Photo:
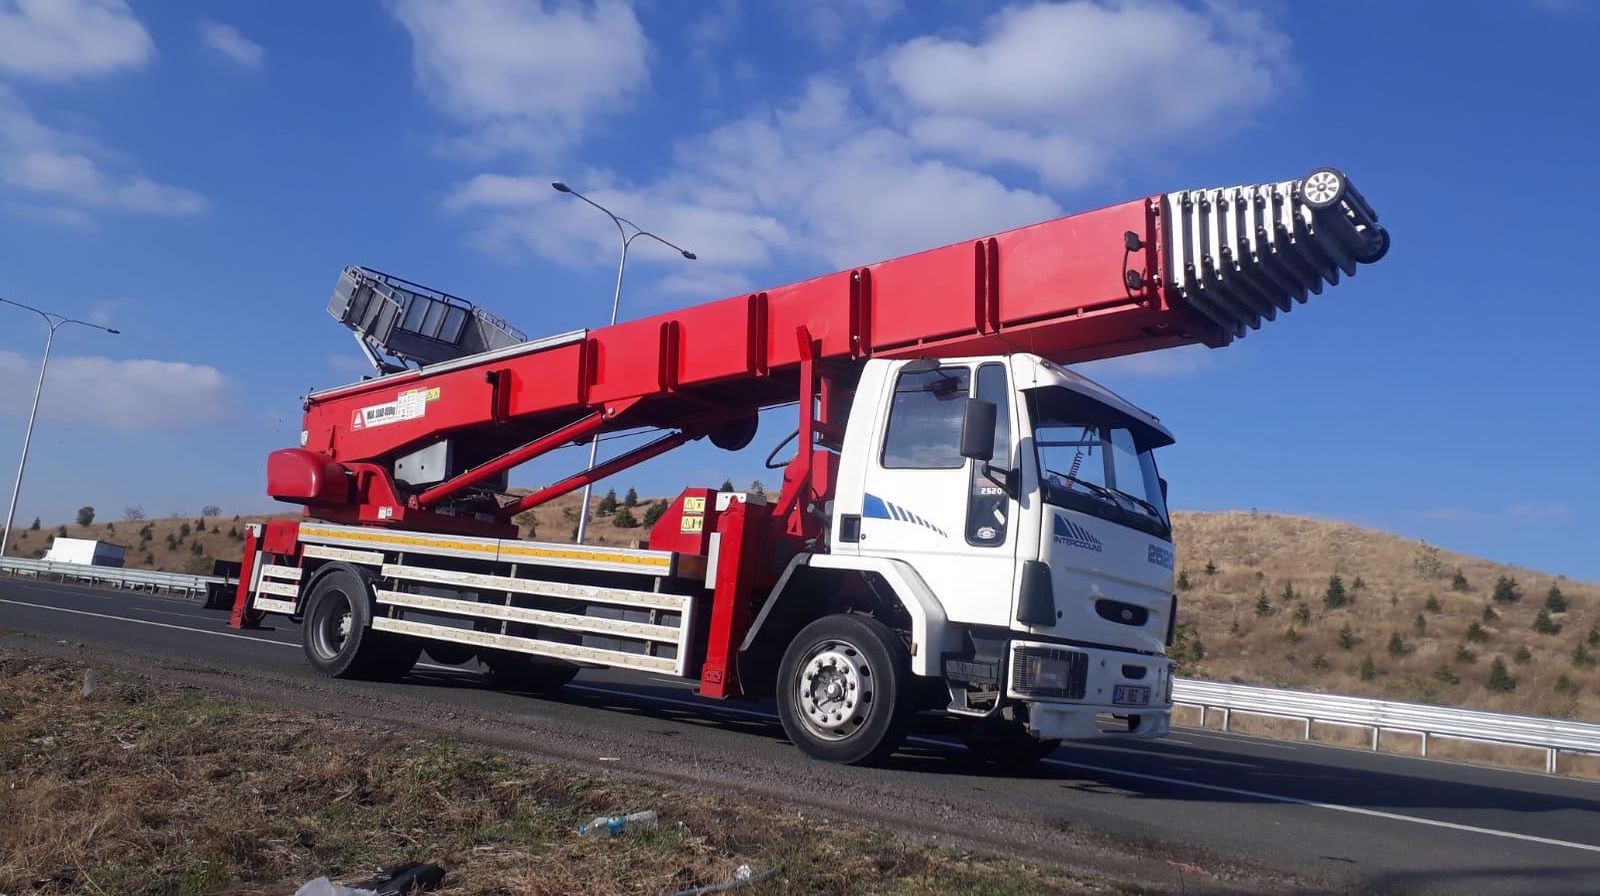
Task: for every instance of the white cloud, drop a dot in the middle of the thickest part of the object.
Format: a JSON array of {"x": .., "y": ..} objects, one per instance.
[
  {"x": 57, "y": 40},
  {"x": 57, "y": 215},
  {"x": 69, "y": 169},
  {"x": 830, "y": 22},
  {"x": 128, "y": 394},
  {"x": 1062, "y": 88},
  {"x": 813, "y": 181},
  {"x": 528, "y": 75},
  {"x": 227, "y": 40}
]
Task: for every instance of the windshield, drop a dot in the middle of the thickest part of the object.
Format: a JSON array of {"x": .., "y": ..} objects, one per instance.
[{"x": 1095, "y": 465}]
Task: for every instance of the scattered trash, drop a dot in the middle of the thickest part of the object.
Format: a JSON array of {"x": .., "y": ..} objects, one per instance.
[
  {"x": 323, "y": 887},
  {"x": 610, "y": 759},
  {"x": 91, "y": 682},
  {"x": 741, "y": 876},
  {"x": 401, "y": 880},
  {"x": 1186, "y": 868},
  {"x": 613, "y": 826}
]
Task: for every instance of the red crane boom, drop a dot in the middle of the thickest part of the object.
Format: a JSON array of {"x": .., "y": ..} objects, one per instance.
[{"x": 1171, "y": 269}]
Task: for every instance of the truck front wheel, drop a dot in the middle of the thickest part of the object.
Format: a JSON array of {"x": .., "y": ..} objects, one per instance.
[
  {"x": 844, "y": 690},
  {"x": 337, "y": 632}
]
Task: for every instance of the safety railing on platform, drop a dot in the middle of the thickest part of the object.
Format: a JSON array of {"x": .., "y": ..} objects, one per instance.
[
  {"x": 1554, "y": 736},
  {"x": 140, "y": 579}
]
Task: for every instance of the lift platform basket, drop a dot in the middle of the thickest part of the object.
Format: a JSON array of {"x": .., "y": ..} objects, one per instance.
[{"x": 398, "y": 321}]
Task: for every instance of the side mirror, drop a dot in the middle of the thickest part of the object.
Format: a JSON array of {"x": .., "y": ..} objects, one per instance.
[{"x": 977, "y": 430}]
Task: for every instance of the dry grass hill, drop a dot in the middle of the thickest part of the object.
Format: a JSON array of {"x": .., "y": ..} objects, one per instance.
[{"x": 1415, "y": 623}]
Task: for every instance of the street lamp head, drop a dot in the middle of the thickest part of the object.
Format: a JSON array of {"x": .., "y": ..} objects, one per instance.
[
  {"x": 561, "y": 187},
  {"x": 689, "y": 255}
]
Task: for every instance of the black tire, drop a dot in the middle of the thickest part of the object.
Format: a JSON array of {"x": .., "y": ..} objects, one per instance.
[
  {"x": 1015, "y": 750},
  {"x": 448, "y": 653},
  {"x": 861, "y": 672},
  {"x": 1378, "y": 251},
  {"x": 523, "y": 672},
  {"x": 337, "y": 633}
]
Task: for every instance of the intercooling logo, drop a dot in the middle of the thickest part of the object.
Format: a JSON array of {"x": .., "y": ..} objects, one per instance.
[
  {"x": 1068, "y": 532},
  {"x": 874, "y": 507}
]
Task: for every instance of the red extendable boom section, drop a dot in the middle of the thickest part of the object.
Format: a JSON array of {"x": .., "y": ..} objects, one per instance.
[{"x": 1166, "y": 270}]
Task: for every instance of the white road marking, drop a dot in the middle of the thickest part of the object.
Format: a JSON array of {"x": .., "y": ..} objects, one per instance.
[
  {"x": 184, "y": 628},
  {"x": 1060, "y": 763},
  {"x": 1335, "y": 807}
]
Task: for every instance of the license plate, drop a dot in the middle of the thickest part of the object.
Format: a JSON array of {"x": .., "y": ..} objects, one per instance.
[{"x": 1129, "y": 695}]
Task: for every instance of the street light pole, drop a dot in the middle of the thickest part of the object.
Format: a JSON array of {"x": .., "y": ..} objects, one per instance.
[
  {"x": 53, "y": 322},
  {"x": 623, "y": 231}
]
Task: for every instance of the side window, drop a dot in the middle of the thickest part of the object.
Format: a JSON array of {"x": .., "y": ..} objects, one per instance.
[
  {"x": 987, "y": 502},
  {"x": 924, "y": 431}
]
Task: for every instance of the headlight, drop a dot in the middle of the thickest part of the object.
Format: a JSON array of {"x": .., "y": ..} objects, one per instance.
[{"x": 1049, "y": 672}]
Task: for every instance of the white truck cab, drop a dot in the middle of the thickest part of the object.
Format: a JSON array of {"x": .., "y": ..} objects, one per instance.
[{"x": 1015, "y": 510}]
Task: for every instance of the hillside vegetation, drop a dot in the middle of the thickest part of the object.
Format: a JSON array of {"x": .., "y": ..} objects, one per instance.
[{"x": 1316, "y": 605}]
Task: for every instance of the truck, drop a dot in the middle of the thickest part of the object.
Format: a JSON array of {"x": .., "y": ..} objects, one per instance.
[{"x": 967, "y": 529}]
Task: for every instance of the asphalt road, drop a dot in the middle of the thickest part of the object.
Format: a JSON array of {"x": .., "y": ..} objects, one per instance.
[{"x": 1198, "y": 811}]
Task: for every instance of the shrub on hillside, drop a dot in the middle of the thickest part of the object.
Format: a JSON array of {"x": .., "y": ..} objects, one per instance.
[
  {"x": 1211, "y": 567},
  {"x": 1347, "y": 638},
  {"x": 1564, "y": 685},
  {"x": 35, "y": 526},
  {"x": 1302, "y": 613},
  {"x": 1397, "y": 645},
  {"x": 631, "y": 499},
  {"x": 1554, "y": 600},
  {"x": 1500, "y": 681},
  {"x": 654, "y": 512},
  {"x": 1183, "y": 580},
  {"x": 1581, "y": 656},
  {"x": 1476, "y": 633},
  {"x": 1543, "y": 624},
  {"x": 61, "y": 531},
  {"x": 1320, "y": 663},
  {"x": 1446, "y": 675},
  {"x": 1506, "y": 590},
  {"x": 1263, "y": 606},
  {"x": 608, "y": 504},
  {"x": 1335, "y": 596},
  {"x": 85, "y": 515},
  {"x": 625, "y": 519},
  {"x": 1489, "y": 613},
  {"x": 1292, "y": 636},
  {"x": 1465, "y": 656},
  {"x": 1431, "y": 604},
  {"x": 1523, "y": 656},
  {"x": 1594, "y": 635},
  {"x": 1369, "y": 669},
  {"x": 1459, "y": 583},
  {"x": 1420, "y": 624}
]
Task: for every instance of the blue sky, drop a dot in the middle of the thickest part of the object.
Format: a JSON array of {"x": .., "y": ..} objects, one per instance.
[{"x": 196, "y": 174}]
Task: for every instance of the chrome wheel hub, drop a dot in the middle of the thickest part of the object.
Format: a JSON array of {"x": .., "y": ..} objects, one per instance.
[{"x": 834, "y": 690}]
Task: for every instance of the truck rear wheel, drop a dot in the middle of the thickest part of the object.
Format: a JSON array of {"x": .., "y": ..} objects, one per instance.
[
  {"x": 522, "y": 672},
  {"x": 844, "y": 690},
  {"x": 337, "y": 632}
]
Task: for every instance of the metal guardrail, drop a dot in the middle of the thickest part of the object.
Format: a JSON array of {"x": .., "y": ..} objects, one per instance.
[
  {"x": 112, "y": 575},
  {"x": 1554, "y": 736}
]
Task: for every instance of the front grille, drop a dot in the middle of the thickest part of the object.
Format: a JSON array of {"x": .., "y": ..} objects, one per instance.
[{"x": 1028, "y": 667}]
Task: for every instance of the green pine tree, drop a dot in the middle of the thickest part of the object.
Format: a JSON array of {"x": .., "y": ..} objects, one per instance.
[
  {"x": 1211, "y": 568},
  {"x": 1554, "y": 600},
  {"x": 1335, "y": 596},
  {"x": 608, "y": 504},
  {"x": 1263, "y": 606},
  {"x": 1369, "y": 669},
  {"x": 1543, "y": 624},
  {"x": 1523, "y": 656},
  {"x": 1347, "y": 638},
  {"x": 1564, "y": 685},
  {"x": 1465, "y": 656},
  {"x": 1500, "y": 680},
  {"x": 1581, "y": 656},
  {"x": 1459, "y": 583},
  {"x": 625, "y": 519},
  {"x": 1506, "y": 590},
  {"x": 1302, "y": 613},
  {"x": 1420, "y": 624},
  {"x": 1183, "y": 580},
  {"x": 654, "y": 512},
  {"x": 1431, "y": 604},
  {"x": 1476, "y": 633},
  {"x": 631, "y": 499},
  {"x": 35, "y": 526},
  {"x": 726, "y": 486},
  {"x": 1397, "y": 645}
]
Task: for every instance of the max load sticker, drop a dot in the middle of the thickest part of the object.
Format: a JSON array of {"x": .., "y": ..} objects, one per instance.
[{"x": 411, "y": 405}]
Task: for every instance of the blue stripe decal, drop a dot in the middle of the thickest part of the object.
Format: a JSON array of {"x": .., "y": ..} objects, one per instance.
[{"x": 875, "y": 507}]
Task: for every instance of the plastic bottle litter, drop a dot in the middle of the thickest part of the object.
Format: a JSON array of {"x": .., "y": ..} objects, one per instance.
[
  {"x": 323, "y": 887},
  {"x": 614, "y": 825}
]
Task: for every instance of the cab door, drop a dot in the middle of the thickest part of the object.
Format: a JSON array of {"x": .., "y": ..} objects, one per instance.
[{"x": 924, "y": 503}]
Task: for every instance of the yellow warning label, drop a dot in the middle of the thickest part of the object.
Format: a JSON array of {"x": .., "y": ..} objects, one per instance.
[
  {"x": 694, "y": 505},
  {"x": 692, "y": 524}
]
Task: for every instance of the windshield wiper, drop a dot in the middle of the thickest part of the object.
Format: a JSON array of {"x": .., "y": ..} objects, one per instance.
[{"x": 1151, "y": 508}]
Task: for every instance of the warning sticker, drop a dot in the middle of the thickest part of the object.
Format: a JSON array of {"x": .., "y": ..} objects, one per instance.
[
  {"x": 692, "y": 524},
  {"x": 410, "y": 405},
  {"x": 694, "y": 505}
]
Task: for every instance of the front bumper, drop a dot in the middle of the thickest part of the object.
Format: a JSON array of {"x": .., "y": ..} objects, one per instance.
[{"x": 1066, "y": 690}]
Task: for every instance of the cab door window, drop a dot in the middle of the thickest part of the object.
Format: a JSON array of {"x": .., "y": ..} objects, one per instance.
[
  {"x": 987, "y": 501},
  {"x": 924, "y": 431}
]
